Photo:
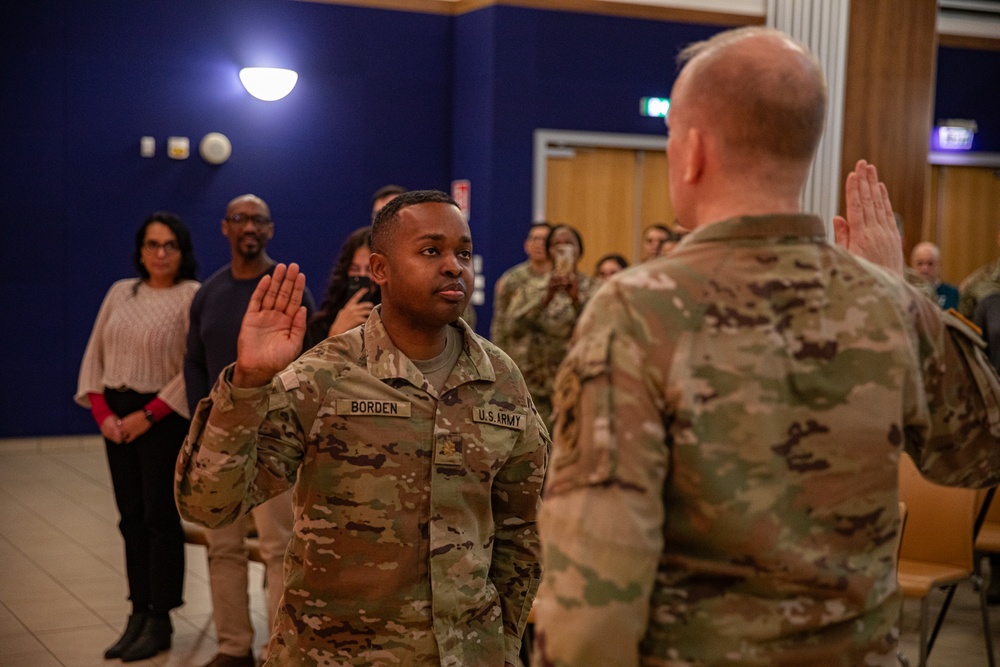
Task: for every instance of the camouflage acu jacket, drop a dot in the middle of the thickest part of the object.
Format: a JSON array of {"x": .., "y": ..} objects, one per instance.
[
  {"x": 414, "y": 540},
  {"x": 534, "y": 334},
  {"x": 507, "y": 285},
  {"x": 978, "y": 285},
  {"x": 723, "y": 488}
]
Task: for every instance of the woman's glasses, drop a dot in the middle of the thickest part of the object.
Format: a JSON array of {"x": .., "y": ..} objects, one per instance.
[{"x": 152, "y": 247}]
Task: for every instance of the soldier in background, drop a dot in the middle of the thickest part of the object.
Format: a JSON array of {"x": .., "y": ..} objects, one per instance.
[
  {"x": 416, "y": 455},
  {"x": 978, "y": 285},
  {"x": 533, "y": 272},
  {"x": 538, "y": 320},
  {"x": 384, "y": 195},
  {"x": 653, "y": 238},
  {"x": 723, "y": 488}
]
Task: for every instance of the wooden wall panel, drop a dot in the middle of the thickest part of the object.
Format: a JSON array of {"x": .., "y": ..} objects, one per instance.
[
  {"x": 656, "y": 204},
  {"x": 595, "y": 192},
  {"x": 890, "y": 98},
  {"x": 968, "y": 205}
]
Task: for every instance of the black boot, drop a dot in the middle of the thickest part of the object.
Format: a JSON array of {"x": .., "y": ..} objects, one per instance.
[
  {"x": 155, "y": 637},
  {"x": 132, "y": 629}
]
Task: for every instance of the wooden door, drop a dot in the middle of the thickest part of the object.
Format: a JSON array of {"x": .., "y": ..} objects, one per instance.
[
  {"x": 610, "y": 195},
  {"x": 962, "y": 215}
]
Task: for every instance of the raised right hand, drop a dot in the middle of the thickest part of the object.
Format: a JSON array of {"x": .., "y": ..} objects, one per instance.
[
  {"x": 273, "y": 328},
  {"x": 869, "y": 230},
  {"x": 354, "y": 312}
]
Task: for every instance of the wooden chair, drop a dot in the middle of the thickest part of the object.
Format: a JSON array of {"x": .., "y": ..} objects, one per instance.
[
  {"x": 988, "y": 537},
  {"x": 937, "y": 545},
  {"x": 900, "y": 656}
]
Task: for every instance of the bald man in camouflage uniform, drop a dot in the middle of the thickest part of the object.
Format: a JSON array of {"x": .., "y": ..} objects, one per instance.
[
  {"x": 416, "y": 455},
  {"x": 723, "y": 489}
]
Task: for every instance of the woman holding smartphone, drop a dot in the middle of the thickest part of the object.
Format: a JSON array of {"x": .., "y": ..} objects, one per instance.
[
  {"x": 541, "y": 318},
  {"x": 350, "y": 294}
]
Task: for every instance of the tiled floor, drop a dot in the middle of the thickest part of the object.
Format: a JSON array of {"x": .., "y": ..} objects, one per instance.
[{"x": 62, "y": 586}]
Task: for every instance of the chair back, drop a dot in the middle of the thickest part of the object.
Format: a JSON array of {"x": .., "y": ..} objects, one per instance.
[
  {"x": 988, "y": 539},
  {"x": 939, "y": 520}
]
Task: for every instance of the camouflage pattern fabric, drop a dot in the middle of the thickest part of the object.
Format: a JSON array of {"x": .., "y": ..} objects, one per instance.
[
  {"x": 536, "y": 336},
  {"x": 414, "y": 540},
  {"x": 723, "y": 488},
  {"x": 922, "y": 284},
  {"x": 978, "y": 285},
  {"x": 507, "y": 285}
]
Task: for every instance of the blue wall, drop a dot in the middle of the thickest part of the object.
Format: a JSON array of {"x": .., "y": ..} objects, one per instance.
[
  {"x": 968, "y": 86},
  {"x": 383, "y": 96},
  {"x": 521, "y": 69},
  {"x": 83, "y": 80}
]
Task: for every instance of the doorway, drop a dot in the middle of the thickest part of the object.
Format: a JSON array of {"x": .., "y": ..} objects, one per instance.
[{"x": 608, "y": 186}]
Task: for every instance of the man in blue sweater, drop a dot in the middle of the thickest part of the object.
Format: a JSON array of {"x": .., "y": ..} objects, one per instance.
[{"x": 216, "y": 314}]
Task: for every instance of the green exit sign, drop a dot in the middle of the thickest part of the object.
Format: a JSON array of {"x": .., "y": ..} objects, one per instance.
[{"x": 655, "y": 107}]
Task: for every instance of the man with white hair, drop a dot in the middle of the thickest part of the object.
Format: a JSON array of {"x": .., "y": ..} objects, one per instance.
[{"x": 925, "y": 259}]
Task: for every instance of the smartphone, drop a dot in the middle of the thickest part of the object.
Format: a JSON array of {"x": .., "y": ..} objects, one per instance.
[
  {"x": 564, "y": 256},
  {"x": 355, "y": 283}
]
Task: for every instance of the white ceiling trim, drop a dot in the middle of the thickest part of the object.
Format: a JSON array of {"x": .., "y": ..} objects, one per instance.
[{"x": 980, "y": 25}]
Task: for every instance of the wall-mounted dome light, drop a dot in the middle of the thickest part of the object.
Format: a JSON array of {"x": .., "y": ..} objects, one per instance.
[{"x": 268, "y": 83}]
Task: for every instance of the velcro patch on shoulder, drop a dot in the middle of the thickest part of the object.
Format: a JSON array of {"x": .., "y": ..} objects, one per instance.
[
  {"x": 499, "y": 417},
  {"x": 288, "y": 380}
]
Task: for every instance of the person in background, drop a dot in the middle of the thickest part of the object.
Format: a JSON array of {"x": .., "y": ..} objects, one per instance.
[
  {"x": 987, "y": 318},
  {"x": 350, "y": 294},
  {"x": 925, "y": 259},
  {"x": 416, "y": 456},
  {"x": 671, "y": 242},
  {"x": 132, "y": 380},
  {"x": 978, "y": 285},
  {"x": 729, "y": 422},
  {"x": 653, "y": 237},
  {"x": 530, "y": 274},
  {"x": 608, "y": 266},
  {"x": 539, "y": 317},
  {"x": 216, "y": 314},
  {"x": 384, "y": 195}
]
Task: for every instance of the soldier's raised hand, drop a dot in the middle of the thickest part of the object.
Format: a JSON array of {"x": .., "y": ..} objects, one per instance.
[
  {"x": 870, "y": 228},
  {"x": 273, "y": 328}
]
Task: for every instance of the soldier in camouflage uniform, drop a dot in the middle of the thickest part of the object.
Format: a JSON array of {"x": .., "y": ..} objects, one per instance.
[
  {"x": 723, "y": 488},
  {"x": 538, "y": 320},
  {"x": 978, "y": 285},
  {"x": 533, "y": 272},
  {"x": 416, "y": 483}
]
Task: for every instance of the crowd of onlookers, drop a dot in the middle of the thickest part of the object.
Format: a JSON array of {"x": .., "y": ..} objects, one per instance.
[
  {"x": 727, "y": 420},
  {"x": 159, "y": 342}
]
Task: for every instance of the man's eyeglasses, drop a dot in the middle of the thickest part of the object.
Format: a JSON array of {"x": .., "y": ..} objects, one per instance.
[
  {"x": 241, "y": 219},
  {"x": 152, "y": 247}
]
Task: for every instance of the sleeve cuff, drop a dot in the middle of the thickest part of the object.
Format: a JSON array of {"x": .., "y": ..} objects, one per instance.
[
  {"x": 159, "y": 408},
  {"x": 99, "y": 407},
  {"x": 225, "y": 396}
]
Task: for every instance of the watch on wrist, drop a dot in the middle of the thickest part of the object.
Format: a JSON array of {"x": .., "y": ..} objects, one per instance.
[{"x": 150, "y": 417}]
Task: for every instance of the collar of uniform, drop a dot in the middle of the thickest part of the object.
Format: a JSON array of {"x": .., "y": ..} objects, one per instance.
[
  {"x": 760, "y": 227},
  {"x": 385, "y": 360}
]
